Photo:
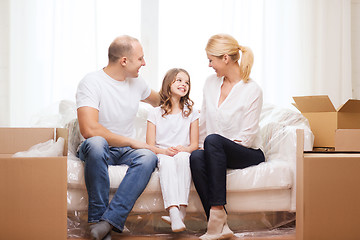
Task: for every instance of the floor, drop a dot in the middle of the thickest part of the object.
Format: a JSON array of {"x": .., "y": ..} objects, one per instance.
[
  {"x": 183, "y": 237},
  {"x": 149, "y": 227},
  {"x": 280, "y": 234}
]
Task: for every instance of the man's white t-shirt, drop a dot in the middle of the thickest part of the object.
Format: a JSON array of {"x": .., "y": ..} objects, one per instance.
[
  {"x": 173, "y": 129},
  {"x": 116, "y": 101}
]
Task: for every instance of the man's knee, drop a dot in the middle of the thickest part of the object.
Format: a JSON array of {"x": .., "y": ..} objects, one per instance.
[
  {"x": 95, "y": 143},
  {"x": 93, "y": 147},
  {"x": 148, "y": 158}
]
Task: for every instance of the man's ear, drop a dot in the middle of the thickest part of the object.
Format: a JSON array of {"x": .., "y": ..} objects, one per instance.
[{"x": 123, "y": 61}]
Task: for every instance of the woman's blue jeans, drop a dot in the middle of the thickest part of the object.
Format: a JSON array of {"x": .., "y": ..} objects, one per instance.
[
  {"x": 208, "y": 167},
  {"x": 97, "y": 155}
]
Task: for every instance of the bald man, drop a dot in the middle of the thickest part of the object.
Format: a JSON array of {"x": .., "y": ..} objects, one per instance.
[{"x": 107, "y": 102}]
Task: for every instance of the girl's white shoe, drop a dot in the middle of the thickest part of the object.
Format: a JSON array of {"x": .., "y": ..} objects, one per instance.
[{"x": 177, "y": 224}]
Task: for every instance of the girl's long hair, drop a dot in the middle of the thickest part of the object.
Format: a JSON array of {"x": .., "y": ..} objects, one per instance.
[{"x": 186, "y": 104}]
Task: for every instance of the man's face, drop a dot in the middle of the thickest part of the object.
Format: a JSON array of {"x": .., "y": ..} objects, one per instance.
[{"x": 135, "y": 61}]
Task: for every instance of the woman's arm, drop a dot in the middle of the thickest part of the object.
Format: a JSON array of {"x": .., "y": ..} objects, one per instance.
[{"x": 250, "y": 122}]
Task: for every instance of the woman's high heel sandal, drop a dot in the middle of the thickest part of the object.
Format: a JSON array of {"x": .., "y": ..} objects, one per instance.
[
  {"x": 216, "y": 224},
  {"x": 226, "y": 232}
]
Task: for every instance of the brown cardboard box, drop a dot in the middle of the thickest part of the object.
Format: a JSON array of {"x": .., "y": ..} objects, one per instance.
[
  {"x": 32, "y": 190},
  {"x": 327, "y": 197},
  {"x": 347, "y": 140},
  {"x": 324, "y": 119}
]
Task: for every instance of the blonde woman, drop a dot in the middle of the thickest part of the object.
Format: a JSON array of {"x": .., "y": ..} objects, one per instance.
[{"x": 229, "y": 123}]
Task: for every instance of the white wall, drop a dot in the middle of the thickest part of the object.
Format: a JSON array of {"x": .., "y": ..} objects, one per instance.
[{"x": 4, "y": 63}]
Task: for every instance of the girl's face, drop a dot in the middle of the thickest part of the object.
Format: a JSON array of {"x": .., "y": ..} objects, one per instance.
[
  {"x": 180, "y": 87},
  {"x": 218, "y": 64}
]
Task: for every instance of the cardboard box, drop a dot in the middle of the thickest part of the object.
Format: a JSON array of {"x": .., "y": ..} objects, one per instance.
[
  {"x": 324, "y": 119},
  {"x": 347, "y": 140},
  {"x": 33, "y": 192},
  {"x": 327, "y": 197}
]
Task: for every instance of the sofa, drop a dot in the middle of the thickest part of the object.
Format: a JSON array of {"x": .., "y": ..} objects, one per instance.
[{"x": 265, "y": 190}]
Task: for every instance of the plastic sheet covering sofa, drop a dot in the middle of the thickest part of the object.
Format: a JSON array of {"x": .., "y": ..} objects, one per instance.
[{"x": 258, "y": 197}]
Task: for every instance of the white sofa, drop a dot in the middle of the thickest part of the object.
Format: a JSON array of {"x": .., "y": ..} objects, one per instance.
[{"x": 267, "y": 187}]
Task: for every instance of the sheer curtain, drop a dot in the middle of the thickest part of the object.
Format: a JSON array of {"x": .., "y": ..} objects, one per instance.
[
  {"x": 301, "y": 47},
  {"x": 55, "y": 43},
  {"x": 326, "y": 50}
]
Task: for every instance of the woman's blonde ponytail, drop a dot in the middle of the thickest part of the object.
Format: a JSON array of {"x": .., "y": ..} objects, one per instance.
[{"x": 246, "y": 63}]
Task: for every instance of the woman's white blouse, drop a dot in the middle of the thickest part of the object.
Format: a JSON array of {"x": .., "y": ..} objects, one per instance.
[{"x": 237, "y": 118}]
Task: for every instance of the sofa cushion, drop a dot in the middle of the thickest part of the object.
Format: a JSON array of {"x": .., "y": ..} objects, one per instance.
[{"x": 267, "y": 175}]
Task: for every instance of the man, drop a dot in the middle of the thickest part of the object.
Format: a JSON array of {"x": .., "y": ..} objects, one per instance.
[{"x": 107, "y": 102}]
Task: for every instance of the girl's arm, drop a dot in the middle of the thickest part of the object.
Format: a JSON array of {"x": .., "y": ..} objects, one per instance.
[
  {"x": 151, "y": 139},
  {"x": 194, "y": 138}
]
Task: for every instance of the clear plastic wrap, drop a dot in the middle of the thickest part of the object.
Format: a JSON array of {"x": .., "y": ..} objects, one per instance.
[
  {"x": 56, "y": 115},
  {"x": 150, "y": 224},
  {"x": 261, "y": 199},
  {"x": 49, "y": 148}
]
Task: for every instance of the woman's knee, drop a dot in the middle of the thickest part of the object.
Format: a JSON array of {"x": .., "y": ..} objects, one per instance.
[
  {"x": 197, "y": 159},
  {"x": 212, "y": 140}
]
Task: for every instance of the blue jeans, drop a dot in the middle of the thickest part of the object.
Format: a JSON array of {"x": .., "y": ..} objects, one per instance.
[
  {"x": 97, "y": 155},
  {"x": 208, "y": 167}
]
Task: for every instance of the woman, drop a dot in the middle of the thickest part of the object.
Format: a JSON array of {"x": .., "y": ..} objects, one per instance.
[{"x": 229, "y": 120}]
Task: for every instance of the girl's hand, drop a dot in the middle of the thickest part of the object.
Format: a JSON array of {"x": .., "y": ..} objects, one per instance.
[
  {"x": 171, "y": 151},
  {"x": 180, "y": 148}
]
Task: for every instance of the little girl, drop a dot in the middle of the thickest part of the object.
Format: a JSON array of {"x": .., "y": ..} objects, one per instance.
[{"x": 173, "y": 128}]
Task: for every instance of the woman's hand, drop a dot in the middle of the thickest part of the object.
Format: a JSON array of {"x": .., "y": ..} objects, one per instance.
[{"x": 238, "y": 141}]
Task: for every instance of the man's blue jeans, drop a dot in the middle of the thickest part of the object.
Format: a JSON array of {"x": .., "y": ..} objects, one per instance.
[{"x": 97, "y": 155}]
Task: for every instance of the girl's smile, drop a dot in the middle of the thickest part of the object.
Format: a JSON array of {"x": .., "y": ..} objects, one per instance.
[{"x": 181, "y": 84}]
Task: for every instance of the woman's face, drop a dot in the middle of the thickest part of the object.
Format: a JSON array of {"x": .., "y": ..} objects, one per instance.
[{"x": 218, "y": 64}]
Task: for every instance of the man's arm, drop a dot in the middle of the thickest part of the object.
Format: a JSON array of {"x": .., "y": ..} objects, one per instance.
[
  {"x": 89, "y": 127},
  {"x": 153, "y": 99}
]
